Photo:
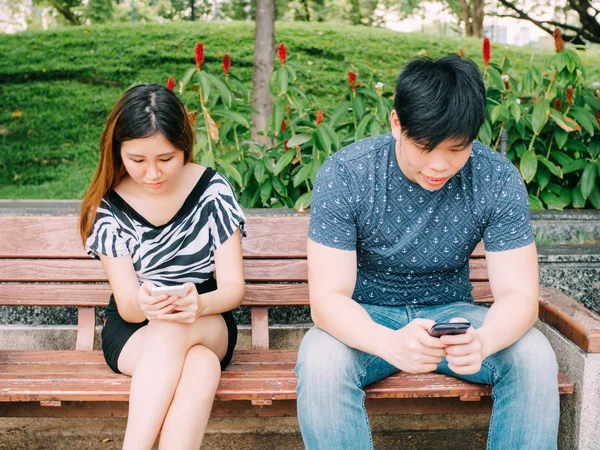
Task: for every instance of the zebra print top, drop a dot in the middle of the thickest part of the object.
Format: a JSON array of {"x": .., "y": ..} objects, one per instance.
[{"x": 180, "y": 251}]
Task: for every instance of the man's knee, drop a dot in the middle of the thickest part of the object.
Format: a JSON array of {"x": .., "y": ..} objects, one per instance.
[
  {"x": 533, "y": 360},
  {"x": 325, "y": 361}
]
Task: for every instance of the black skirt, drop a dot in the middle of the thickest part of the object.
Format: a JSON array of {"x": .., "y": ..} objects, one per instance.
[{"x": 116, "y": 331}]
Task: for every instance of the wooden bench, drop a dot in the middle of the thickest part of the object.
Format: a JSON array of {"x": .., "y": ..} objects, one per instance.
[{"x": 42, "y": 264}]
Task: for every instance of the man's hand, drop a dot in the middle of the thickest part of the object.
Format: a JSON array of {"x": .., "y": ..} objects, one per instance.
[
  {"x": 464, "y": 352},
  {"x": 411, "y": 349}
]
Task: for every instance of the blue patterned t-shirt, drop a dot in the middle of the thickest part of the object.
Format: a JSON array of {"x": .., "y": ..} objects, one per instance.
[{"x": 413, "y": 245}]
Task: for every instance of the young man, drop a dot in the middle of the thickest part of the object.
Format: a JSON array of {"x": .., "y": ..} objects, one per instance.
[{"x": 394, "y": 220}]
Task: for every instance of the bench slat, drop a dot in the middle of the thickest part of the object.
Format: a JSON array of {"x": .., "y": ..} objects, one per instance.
[
  {"x": 57, "y": 237},
  {"x": 77, "y": 270},
  {"x": 294, "y": 294}
]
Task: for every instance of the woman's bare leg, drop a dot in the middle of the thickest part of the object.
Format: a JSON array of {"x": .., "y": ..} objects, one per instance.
[{"x": 156, "y": 355}]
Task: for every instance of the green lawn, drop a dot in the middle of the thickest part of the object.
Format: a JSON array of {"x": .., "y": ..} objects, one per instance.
[{"x": 62, "y": 83}]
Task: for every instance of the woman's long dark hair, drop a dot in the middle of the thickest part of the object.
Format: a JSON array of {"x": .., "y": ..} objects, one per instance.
[{"x": 141, "y": 112}]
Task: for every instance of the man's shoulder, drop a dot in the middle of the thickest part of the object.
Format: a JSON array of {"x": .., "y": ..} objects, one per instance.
[
  {"x": 363, "y": 149},
  {"x": 486, "y": 165}
]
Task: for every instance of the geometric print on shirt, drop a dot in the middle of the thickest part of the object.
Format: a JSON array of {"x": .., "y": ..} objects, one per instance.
[{"x": 413, "y": 245}]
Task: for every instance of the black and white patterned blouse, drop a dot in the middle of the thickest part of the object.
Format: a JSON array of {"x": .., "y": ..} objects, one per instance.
[{"x": 180, "y": 251}]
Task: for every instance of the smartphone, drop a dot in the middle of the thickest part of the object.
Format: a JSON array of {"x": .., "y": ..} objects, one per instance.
[
  {"x": 178, "y": 291},
  {"x": 443, "y": 329}
]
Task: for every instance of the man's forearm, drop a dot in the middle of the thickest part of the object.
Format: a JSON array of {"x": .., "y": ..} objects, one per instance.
[
  {"x": 506, "y": 322},
  {"x": 347, "y": 321}
]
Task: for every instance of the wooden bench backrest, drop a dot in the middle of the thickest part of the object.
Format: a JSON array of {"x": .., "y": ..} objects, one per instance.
[{"x": 42, "y": 263}]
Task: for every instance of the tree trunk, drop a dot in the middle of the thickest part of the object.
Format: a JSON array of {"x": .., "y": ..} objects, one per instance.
[
  {"x": 478, "y": 13},
  {"x": 264, "y": 52},
  {"x": 66, "y": 13},
  {"x": 466, "y": 17}
]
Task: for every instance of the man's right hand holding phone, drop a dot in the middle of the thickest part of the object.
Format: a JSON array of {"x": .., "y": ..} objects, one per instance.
[
  {"x": 464, "y": 352},
  {"x": 411, "y": 348}
]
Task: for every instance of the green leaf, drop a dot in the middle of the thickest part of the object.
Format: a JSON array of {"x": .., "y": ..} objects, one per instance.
[
  {"x": 485, "y": 133},
  {"x": 497, "y": 113},
  {"x": 315, "y": 170},
  {"x": 283, "y": 162},
  {"x": 335, "y": 140},
  {"x": 592, "y": 101},
  {"x": 232, "y": 115},
  {"x": 560, "y": 136},
  {"x": 584, "y": 118},
  {"x": 304, "y": 201},
  {"x": 578, "y": 200},
  {"x": 552, "y": 201},
  {"x": 515, "y": 111},
  {"x": 259, "y": 171},
  {"x": 279, "y": 187},
  {"x": 303, "y": 174},
  {"x": 576, "y": 145},
  {"x": 204, "y": 84},
  {"x": 496, "y": 78},
  {"x": 574, "y": 166},
  {"x": 594, "y": 146},
  {"x": 187, "y": 76},
  {"x": 561, "y": 158},
  {"x": 208, "y": 159},
  {"x": 537, "y": 75},
  {"x": 594, "y": 197},
  {"x": 588, "y": 180},
  {"x": 362, "y": 126},
  {"x": 291, "y": 72},
  {"x": 551, "y": 167},
  {"x": 299, "y": 139},
  {"x": 224, "y": 91},
  {"x": 566, "y": 196},
  {"x": 542, "y": 177},
  {"x": 535, "y": 203},
  {"x": 539, "y": 116},
  {"x": 559, "y": 119},
  {"x": 324, "y": 139},
  {"x": 358, "y": 105},
  {"x": 528, "y": 165},
  {"x": 339, "y": 113},
  {"x": 265, "y": 191},
  {"x": 231, "y": 171},
  {"x": 281, "y": 80}
]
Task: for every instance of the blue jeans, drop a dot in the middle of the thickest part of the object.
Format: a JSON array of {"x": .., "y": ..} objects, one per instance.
[{"x": 331, "y": 377}]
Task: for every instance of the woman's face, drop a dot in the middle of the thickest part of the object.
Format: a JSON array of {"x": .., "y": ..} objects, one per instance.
[{"x": 152, "y": 162}]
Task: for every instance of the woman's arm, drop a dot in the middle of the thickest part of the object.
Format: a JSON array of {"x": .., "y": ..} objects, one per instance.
[
  {"x": 125, "y": 286},
  {"x": 229, "y": 269}
]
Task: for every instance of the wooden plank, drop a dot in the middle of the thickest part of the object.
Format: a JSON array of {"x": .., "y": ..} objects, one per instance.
[
  {"x": 572, "y": 319},
  {"x": 234, "y": 408},
  {"x": 86, "y": 324},
  {"x": 58, "y": 237},
  {"x": 276, "y": 294},
  {"x": 78, "y": 270},
  {"x": 260, "y": 327}
]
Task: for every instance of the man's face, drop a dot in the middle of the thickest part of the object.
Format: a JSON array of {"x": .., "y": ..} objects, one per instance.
[{"x": 430, "y": 170}]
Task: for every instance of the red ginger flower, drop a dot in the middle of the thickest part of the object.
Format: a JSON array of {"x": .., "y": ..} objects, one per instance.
[
  {"x": 319, "y": 117},
  {"x": 288, "y": 110},
  {"x": 285, "y": 145},
  {"x": 226, "y": 64},
  {"x": 283, "y": 125},
  {"x": 569, "y": 95},
  {"x": 199, "y": 55},
  {"x": 486, "y": 51},
  {"x": 352, "y": 80},
  {"x": 556, "y": 104},
  {"x": 282, "y": 53},
  {"x": 171, "y": 83},
  {"x": 598, "y": 116},
  {"x": 461, "y": 51},
  {"x": 559, "y": 44},
  {"x": 192, "y": 116}
]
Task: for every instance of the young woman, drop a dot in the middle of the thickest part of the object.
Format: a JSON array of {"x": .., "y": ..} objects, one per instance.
[{"x": 154, "y": 218}]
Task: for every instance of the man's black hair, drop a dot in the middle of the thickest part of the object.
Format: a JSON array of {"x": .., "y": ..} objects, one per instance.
[{"x": 439, "y": 100}]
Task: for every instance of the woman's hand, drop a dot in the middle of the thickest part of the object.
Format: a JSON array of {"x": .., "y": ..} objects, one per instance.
[
  {"x": 153, "y": 307},
  {"x": 185, "y": 309}
]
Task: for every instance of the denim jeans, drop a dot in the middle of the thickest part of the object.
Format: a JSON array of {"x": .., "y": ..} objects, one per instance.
[{"x": 331, "y": 375}]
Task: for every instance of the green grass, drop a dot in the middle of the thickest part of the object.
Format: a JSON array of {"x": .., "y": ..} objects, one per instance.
[{"x": 64, "y": 82}]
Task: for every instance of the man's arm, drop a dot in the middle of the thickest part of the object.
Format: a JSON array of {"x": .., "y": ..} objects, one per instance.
[
  {"x": 514, "y": 280},
  {"x": 331, "y": 280}
]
